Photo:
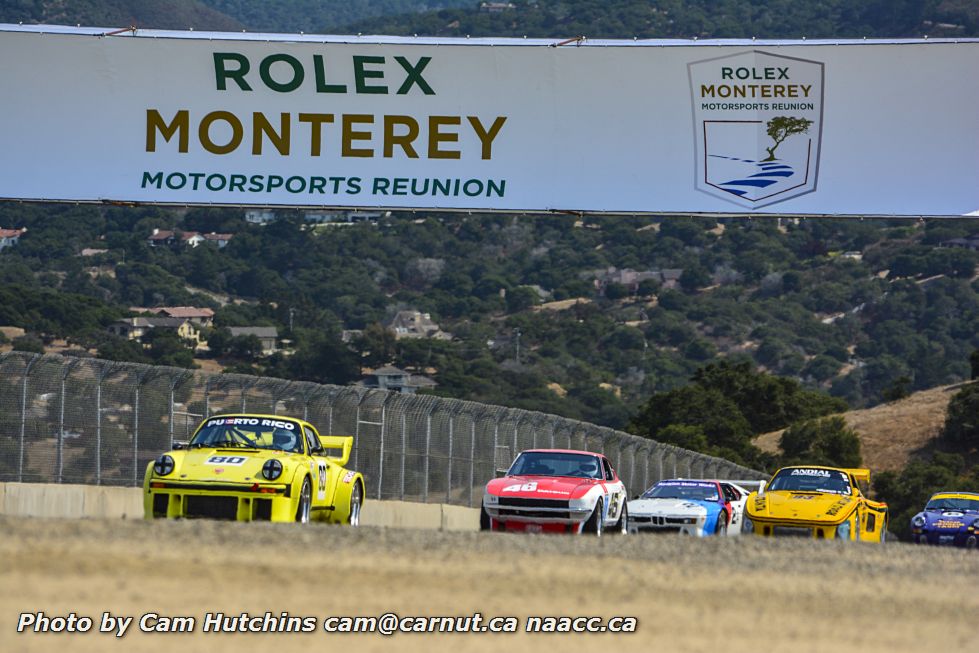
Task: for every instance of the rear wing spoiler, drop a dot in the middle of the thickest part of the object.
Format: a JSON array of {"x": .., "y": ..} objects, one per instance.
[
  {"x": 860, "y": 474},
  {"x": 753, "y": 485},
  {"x": 337, "y": 444}
]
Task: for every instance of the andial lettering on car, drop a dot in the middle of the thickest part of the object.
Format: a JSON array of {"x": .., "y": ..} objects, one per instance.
[{"x": 236, "y": 461}]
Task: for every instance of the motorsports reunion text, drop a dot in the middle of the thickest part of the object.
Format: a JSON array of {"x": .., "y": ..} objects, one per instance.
[{"x": 389, "y": 623}]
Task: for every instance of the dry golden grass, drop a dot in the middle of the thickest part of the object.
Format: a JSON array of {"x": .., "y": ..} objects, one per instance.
[
  {"x": 733, "y": 594},
  {"x": 891, "y": 433}
]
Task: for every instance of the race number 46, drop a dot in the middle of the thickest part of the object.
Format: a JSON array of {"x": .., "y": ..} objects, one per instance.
[{"x": 524, "y": 487}]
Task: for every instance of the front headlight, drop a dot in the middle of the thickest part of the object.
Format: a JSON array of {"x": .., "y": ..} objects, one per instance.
[
  {"x": 272, "y": 469},
  {"x": 975, "y": 525},
  {"x": 579, "y": 505},
  {"x": 919, "y": 521},
  {"x": 163, "y": 465}
]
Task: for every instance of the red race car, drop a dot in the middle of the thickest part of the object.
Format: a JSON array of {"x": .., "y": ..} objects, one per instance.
[{"x": 556, "y": 491}]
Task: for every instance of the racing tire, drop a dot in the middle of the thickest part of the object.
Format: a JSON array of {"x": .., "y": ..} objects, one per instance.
[
  {"x": 595, "y": 524},
  {"x": 305, "y": 502},
  {"x": 485, "y": 522},
  {"x": 356, "y": 501},
  {"x": 721, "y": 528},
  {"x": 622, "y": 526},
  {"x": 970, "y": 542}
]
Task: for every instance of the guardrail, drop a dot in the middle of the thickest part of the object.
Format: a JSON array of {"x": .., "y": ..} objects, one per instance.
[{"x": 99, "y": 422}]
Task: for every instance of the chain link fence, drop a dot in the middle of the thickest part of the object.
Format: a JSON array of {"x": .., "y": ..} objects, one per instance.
[{"x": 85, "y": 420}]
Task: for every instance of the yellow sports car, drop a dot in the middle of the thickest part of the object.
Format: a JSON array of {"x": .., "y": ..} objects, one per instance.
[
  {"x": 818, "y": 502},
  {"x": 256, "y": 467}
]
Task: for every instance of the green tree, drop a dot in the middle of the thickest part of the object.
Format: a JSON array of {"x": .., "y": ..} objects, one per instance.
[
  {"x": 378, "y": 345},
  {"x": 29, "y": 343},
  {"x": 962, "y": 421},
  {"x": 781, "y": 127},
  {"x": 826, "y": 441}
]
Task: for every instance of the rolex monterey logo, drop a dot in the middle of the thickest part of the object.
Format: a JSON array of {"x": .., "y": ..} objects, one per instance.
[{"x": 757, "y": 126}]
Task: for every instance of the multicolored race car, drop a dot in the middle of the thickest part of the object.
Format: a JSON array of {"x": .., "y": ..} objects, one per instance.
[
  {"x": 690, "y": 507},
  {"x": 948, "y": 518},
  {"x": 256, "y": 467},
  {"x": 818, "y": 502},
  {"x": 556, "y": 491}
]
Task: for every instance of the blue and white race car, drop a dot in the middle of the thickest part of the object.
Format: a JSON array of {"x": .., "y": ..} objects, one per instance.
[
  {"x": 690, "y": 507},
  {"x": 948, "y": 518}
]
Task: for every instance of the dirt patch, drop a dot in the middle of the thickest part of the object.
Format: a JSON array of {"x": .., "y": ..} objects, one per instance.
[
  {"x": 736, "y": 594},
  {"x": 891, "y": 433}
]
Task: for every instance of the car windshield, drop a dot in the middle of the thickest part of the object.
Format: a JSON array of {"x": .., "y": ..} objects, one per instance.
[
  {"x": 553, "y": 463},
  {"x": 690, "y": 490},
  {"x": 811, "y": 479},
  {"x": 953, "y": 503},
  {"x": 249, "y": 432}
]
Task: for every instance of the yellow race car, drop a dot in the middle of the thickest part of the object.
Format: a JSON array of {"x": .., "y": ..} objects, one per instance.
[
  {"x": 818, "y": 502},
  {"x": 256, "y": 467}
]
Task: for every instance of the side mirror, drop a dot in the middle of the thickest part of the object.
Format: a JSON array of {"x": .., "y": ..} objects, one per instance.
[
  {"x": 180, "y": 444},
  {"x": 337, "y": 447}
]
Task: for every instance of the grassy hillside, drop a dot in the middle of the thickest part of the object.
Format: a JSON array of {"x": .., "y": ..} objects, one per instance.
[{"x": 892, "y": 434}]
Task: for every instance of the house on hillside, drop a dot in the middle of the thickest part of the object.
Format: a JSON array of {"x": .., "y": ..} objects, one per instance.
[
  {"x": 202, "y": 317},
  {"x": 260, "y": 216},
  {"x": 10, "y": 237},
  {"x": 221, "y": 240},
  {"x": 136, "y": 328},
  {"x": 972, "y": 242},
  {"x": 631, "y": 279},
  {"x": 167, "y": 238},
  {"x": 414, "y": 324},
  {"x": 268, "y": 336},
  {"x": 393, "y": 379},
  {"x": 496, "y": 7}
]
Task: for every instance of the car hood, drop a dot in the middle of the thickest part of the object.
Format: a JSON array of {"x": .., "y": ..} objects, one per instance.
[
  {"x": 541, "y": 487},
  {"x": 950, "y": 519},
  {"x": 668, "y": 507},
  {"x": 228, "y": 465},
  {"x": 803, "y": 506}
]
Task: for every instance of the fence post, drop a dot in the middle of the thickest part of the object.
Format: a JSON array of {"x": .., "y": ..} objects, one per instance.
[
  {"x": 645, "y": 469},
  {"x": 207, "y": 400},
  {"x": 404, "y": 450},
  {"x": 472, "y": 457},
  {"x": 23, "y": 415},
  {"x": 428, "y": 451},
  {"x": 172, "y": 384},
  {"x": 140, "y": 379},
  {"x": 380, "y": 462},
  {"x": 65, "y": 371},
  {"x": 448, "y": 475}
]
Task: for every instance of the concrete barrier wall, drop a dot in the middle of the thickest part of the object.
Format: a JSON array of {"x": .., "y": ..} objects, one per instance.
[{"x": 100, "y": 502}]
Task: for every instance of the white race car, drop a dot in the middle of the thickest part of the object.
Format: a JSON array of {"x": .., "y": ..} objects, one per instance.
[{"x": 691, "y": 507}]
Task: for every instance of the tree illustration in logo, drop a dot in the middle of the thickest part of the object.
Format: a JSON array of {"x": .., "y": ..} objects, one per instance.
[{"x": 781, "y": 127}]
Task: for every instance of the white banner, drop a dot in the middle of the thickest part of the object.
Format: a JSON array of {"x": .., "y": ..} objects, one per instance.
[{"x": 742, "y": 127}]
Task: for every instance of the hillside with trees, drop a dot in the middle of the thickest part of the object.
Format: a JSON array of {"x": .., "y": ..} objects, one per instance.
[{"x": 626, "y": 19}]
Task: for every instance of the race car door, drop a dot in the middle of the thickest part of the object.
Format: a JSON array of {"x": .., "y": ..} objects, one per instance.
[
  {"x": 736, "y": 499},
  {"x": 324, "y": 475}
]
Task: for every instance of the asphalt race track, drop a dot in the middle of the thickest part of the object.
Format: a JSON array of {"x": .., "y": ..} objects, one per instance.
[{"x": 735, "y": 594}]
